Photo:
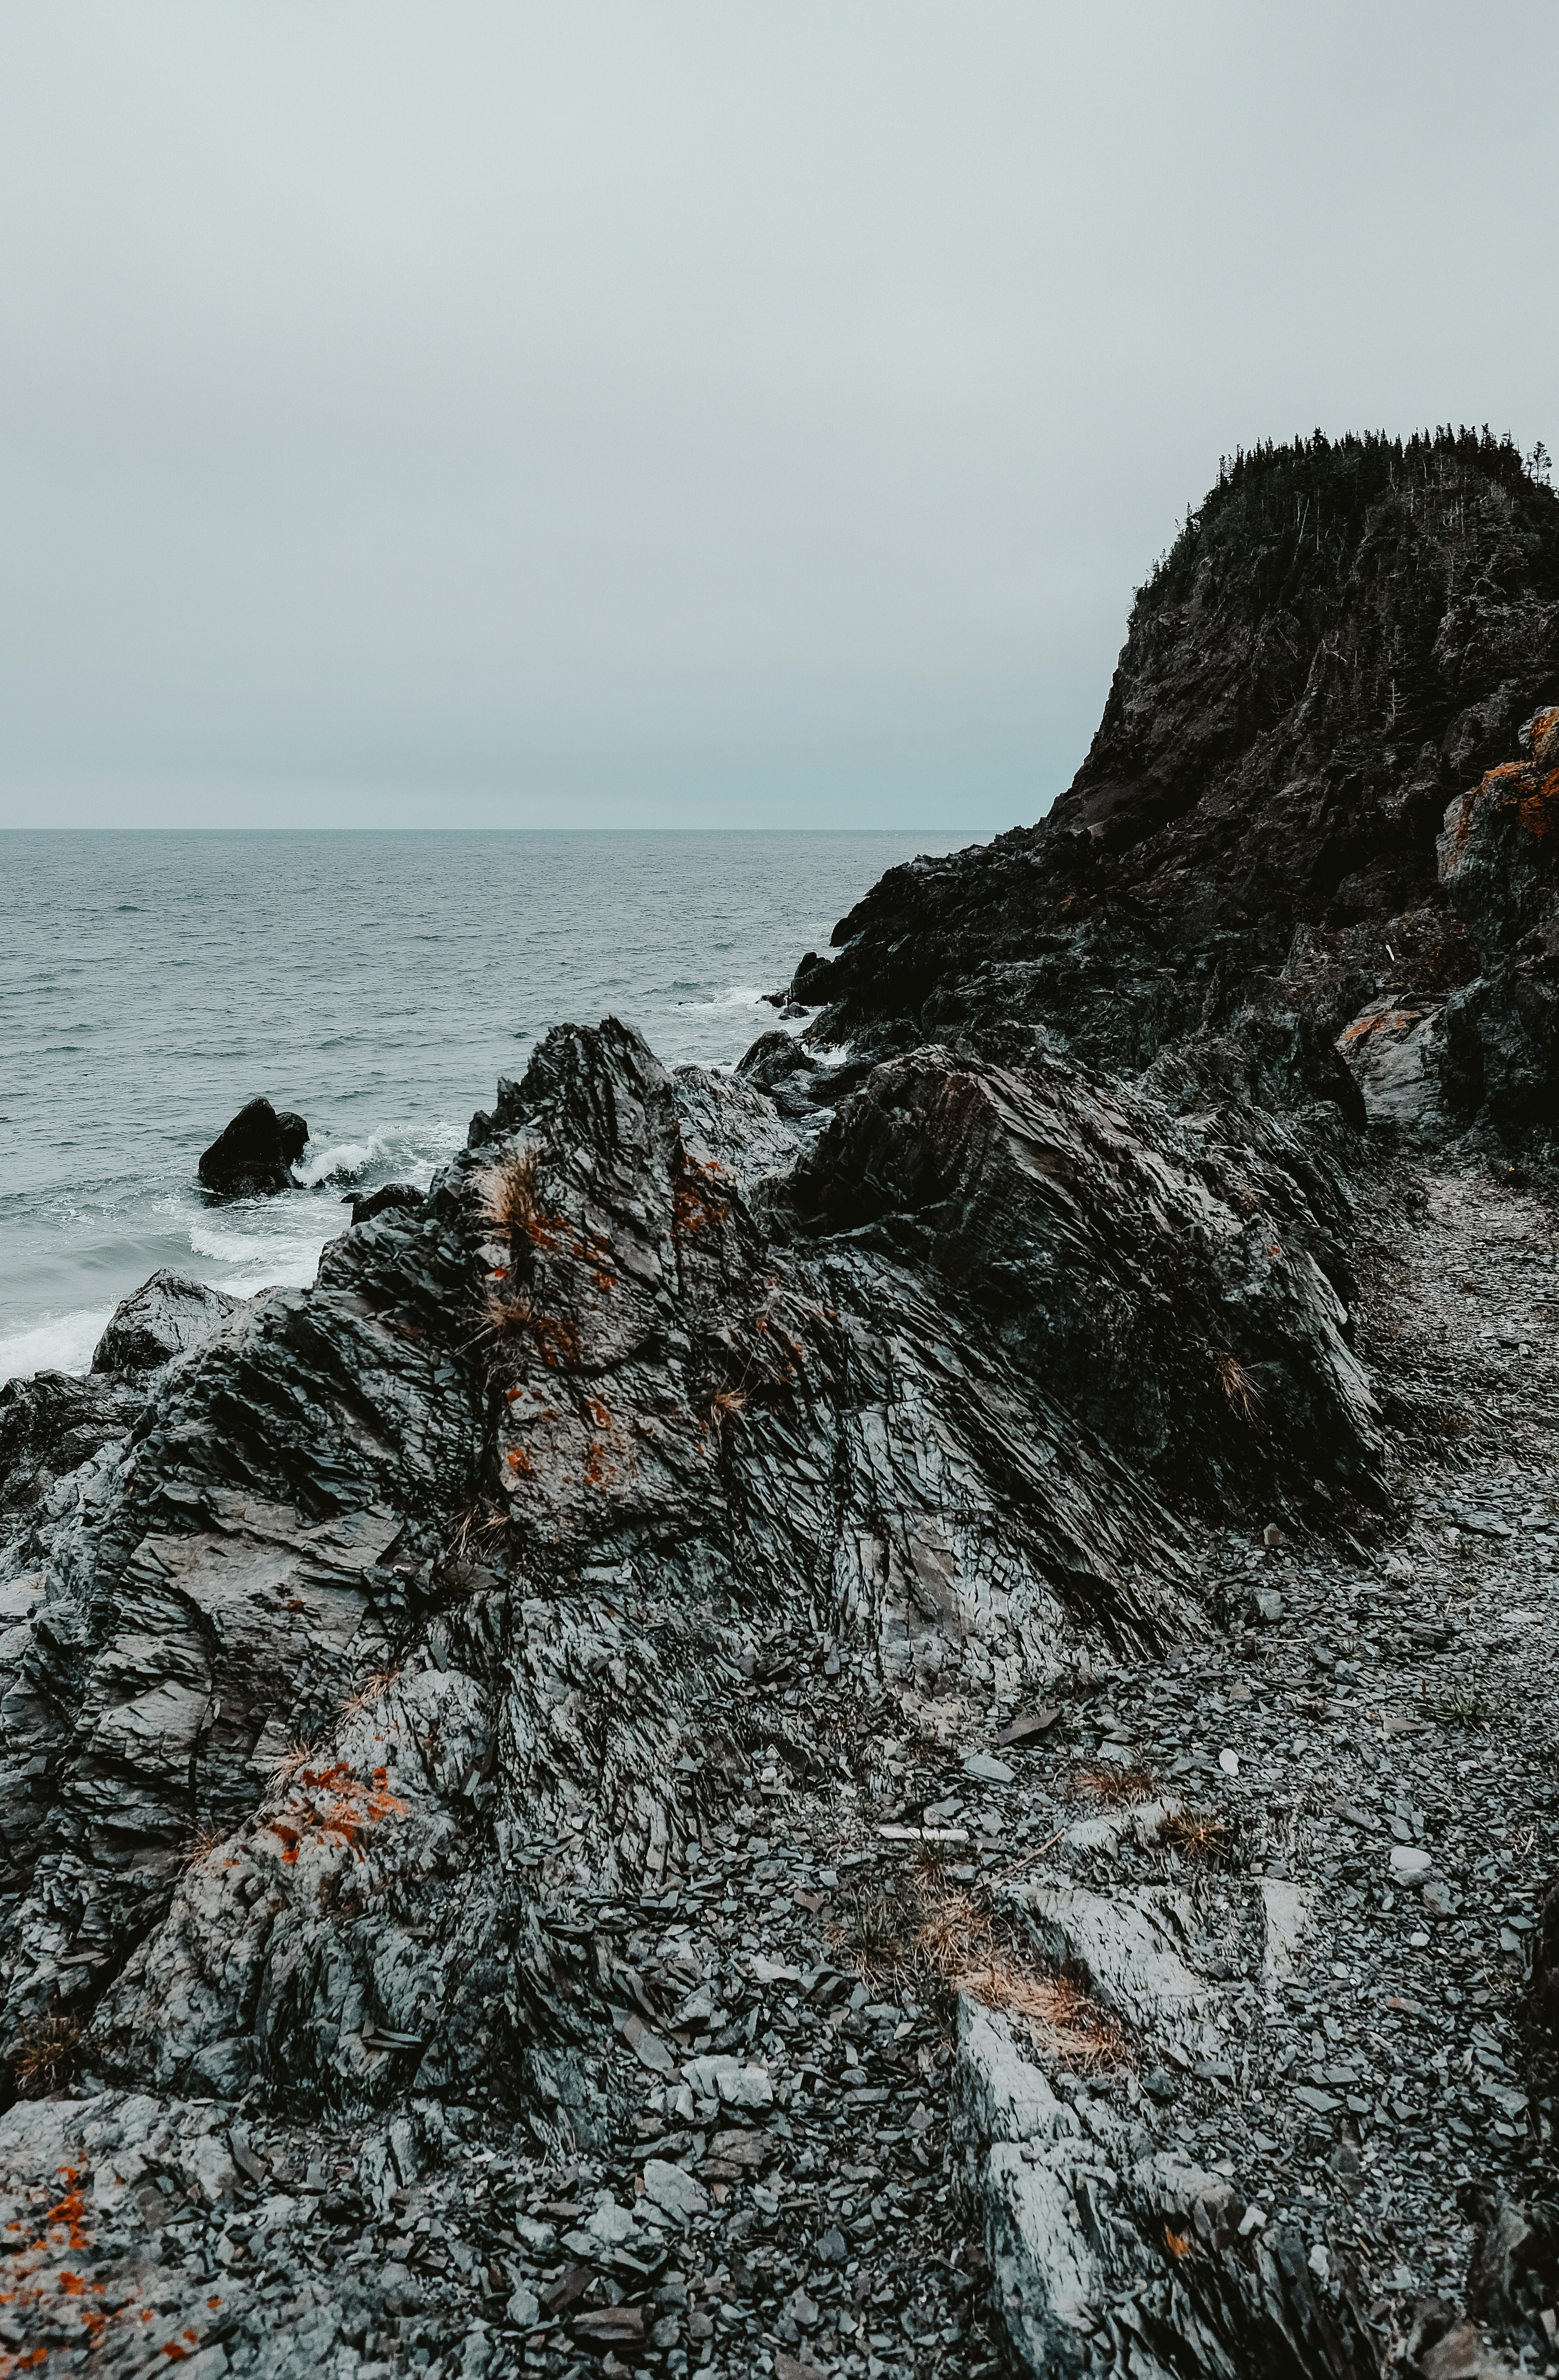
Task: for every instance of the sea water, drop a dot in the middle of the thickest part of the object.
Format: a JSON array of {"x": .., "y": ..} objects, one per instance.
[{"x": 378, "y": 983}]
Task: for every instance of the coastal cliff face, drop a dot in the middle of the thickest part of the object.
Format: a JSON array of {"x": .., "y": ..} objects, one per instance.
[
  {"x": 700, "y": 1758},
  {"x": 1339, "y": 643}
]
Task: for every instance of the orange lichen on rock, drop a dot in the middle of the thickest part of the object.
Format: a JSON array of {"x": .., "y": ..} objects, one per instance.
[
  {"x": 333, "y": 1806},
  {"x": 1539, "y": 810},
  {"x": 694, "y": 1204}
]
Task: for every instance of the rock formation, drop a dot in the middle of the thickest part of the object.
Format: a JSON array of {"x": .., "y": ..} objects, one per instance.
[
  {"x": 255, "y": 1153},
  {"x": 579, "y": 1788},
  {"x": 164, "y": 1317}
]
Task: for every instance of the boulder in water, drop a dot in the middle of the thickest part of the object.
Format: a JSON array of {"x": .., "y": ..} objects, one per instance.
[
  {"x": 164, "y": 1317},
  {"x": 255, "y": 1153}
]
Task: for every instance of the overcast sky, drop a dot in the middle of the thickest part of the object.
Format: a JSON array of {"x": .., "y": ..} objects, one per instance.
[{"x": 689, "y": 411}]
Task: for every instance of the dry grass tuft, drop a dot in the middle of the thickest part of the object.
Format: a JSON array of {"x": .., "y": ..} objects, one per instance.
[
  {"x": 726, "y": 1403},
  {"x": 506, "y": 1190},
  {"x": 1197, "y": 1833},
  {"x": 372, "y": 1690},
  {"x": 44, "y": 2054},
  {"x": 202, "y": 1843},
  {"x": 1236, "y": 1384},
  {"x": 1109, "y": 1784},
  {"x": 295, "y": 1757},
  {"x": 945, "y": 1939},
  {"x": 507, "y": 1309}
]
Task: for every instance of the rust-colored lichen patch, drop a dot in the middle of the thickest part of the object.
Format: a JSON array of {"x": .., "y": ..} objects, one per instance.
[
  {"x": 335, "y": 1806},
  {"x": 695, "y": 1202},
  {"x": 1539, "y": 810}
]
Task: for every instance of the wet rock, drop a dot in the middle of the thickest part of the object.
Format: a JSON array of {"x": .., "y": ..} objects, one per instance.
[
  {"x": 255, "y": 1153},
  {"x": 165, "y": 1316},
  {"x": 388, "y": 1196}
]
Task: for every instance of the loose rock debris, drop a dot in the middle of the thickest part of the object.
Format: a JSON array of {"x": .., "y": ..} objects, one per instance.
[{"x": 1052, "y": 2012}]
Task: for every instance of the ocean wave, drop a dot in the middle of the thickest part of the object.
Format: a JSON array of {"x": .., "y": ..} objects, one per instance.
[
  {"x": 737, "y": 995},
  {"x": 410, "y": 1154},
  {"x": 276, "y": 1246},
  {"x": 63, "y": 1343}
]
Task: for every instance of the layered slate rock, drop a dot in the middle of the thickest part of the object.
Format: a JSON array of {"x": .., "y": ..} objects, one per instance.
[
  {"x": 255, "y": 1153},
  {"x": 546, "y": 1462},
  {"x": 1179, "y": 1285},
  {"x": 1499, "y": 866}
]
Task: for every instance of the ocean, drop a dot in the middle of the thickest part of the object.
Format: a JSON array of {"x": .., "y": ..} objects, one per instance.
[{"x": 378, "y": 983}]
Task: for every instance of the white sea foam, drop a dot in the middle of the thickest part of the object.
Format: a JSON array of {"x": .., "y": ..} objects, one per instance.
[
  {"x": 267, "y": 1247},
  {"x": 408, "y": 1153},
  {"x": 63, "y": 1343},
  {"x": 737, "y": 995}
]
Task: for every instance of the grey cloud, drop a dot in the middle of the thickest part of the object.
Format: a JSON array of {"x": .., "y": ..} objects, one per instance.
[{"x": 666, "y": 411}]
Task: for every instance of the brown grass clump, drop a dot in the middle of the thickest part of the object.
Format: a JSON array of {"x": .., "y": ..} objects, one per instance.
[
  {"x": 726, "y": 1403},
  {"x": 506, "y": 1190},
  {"x": 372, "y": 1690},
  {"x": 1115, "y": 1784},
  {"x": 44, "y": 2054},
  {"x": 202, "y": 1843},
  {"x": 295, "y": 1757},
  {"x": 1197, "y": 1833},
  {"x": 1236, "y": 1384},
  {"x": 945, "y": 1940},
  {"x": 507, "y": 1309}
]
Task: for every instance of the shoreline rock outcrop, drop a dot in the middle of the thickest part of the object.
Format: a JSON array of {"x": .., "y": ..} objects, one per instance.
[{"x": 255, "y": 1153}]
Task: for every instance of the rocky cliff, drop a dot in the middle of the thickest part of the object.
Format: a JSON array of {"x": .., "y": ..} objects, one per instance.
[
  {"x": 1340, "y": 642},
  {"x": 839, "y": 1721}
]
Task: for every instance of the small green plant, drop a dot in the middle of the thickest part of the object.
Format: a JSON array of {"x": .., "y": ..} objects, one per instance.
[{"x": 1464, "y": 1706}]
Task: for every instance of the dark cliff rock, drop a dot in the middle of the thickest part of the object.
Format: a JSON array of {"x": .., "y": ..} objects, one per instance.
[
  {"x": 369, "y": 1204},
  {"x": 1337, "y": 643},
  {"x": 255, "y": 1153},
  {"x": 1499, "y": 865},
  {"x": 1168, "y": 1282},
  {"x": 165, "y": 1316}
]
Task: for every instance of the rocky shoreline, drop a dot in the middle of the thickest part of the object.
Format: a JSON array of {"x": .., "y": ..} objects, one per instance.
[{"x": 894, "y": 1713}]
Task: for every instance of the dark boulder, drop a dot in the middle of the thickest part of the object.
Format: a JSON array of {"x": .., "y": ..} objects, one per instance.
[
  {"x": 164, "y": 1317},
  {"x": 255, "y": 1153},
  {"x": 1499, "y": 866},
  {"x": 389, "y": 1195}
]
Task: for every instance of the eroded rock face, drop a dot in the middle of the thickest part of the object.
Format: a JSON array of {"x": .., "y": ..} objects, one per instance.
[
  {"x": 1167, "y": 1279},
  {"x": 545, "y": 1463},
  {"x": 164, "y": 1317},
  {"x": 1499, "y": 863},
  {"x": 1253, "y": 832},
  {"x": 255, "y": 1153}
]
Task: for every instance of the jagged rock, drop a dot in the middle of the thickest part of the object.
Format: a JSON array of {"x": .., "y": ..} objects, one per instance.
[
  {"x": 1499, "y": 862},
  {"x": 164, "y": 1317},
  {"x": 1254, "y": 828},
  {"x": 1108, "y": 2257},
  {"x": 1162, "y": 1276},
  {"x": 369, "y": 1204},
  {"x": 640, "y": 1427},
  {"x": 255, "y": 1153},
  {"x": 53, "y": 1425},
  {"x": 1395, "y": 1053}
]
